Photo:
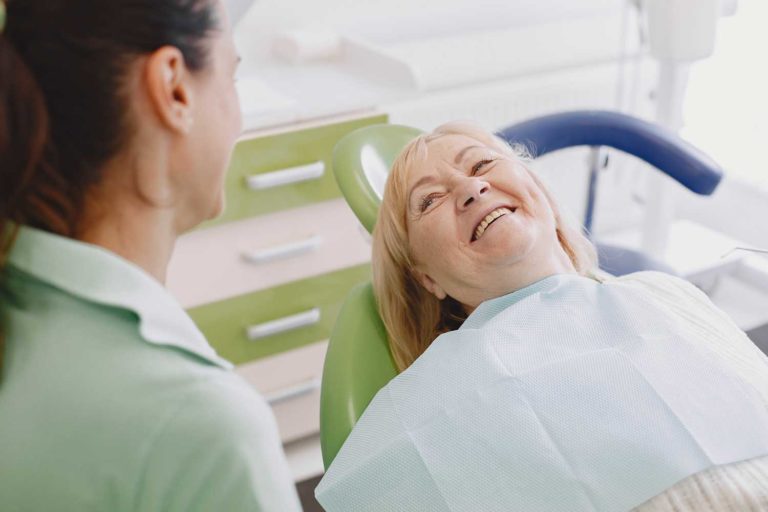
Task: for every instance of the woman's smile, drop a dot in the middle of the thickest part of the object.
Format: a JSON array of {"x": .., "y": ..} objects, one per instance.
[{"x": 491, "y": 219}]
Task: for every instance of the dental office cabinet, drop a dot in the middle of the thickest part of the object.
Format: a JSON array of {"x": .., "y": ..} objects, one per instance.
[{"x": 265, "y": 281}]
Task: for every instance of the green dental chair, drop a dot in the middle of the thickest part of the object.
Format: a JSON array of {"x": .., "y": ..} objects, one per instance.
[{"x": 358, "y": 362}]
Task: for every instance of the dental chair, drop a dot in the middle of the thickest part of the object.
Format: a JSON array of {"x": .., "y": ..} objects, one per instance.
[{"x": 358, "y": 362}]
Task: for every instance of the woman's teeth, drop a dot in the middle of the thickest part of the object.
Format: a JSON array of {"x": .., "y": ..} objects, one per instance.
[{"x": 495, "y": 214}]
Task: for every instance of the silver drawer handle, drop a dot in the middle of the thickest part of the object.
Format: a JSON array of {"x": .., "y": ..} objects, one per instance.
[
  {"x": 292, "y": 392},
  {"x": 286, "y": 176},
  {"x": 287, "y": 323},
  {"x": 288, "y": 250}
]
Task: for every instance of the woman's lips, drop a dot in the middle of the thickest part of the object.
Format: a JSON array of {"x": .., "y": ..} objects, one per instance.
[{"x": 489, "y": 219}]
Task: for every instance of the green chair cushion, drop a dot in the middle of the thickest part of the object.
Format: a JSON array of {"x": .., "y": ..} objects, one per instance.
[
  {"x": 357, "y": 365},
  {"x": 358, "y": 362}
]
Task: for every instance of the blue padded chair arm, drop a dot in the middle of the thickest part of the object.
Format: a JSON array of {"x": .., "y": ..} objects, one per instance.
[{"x": 656, "y": 145}]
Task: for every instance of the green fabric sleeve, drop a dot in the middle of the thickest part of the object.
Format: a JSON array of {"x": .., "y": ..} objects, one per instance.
[{"x": 219, "y": 451}]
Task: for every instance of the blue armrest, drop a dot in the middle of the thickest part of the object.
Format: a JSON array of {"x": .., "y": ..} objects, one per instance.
[{"x": 656, "y": 145}]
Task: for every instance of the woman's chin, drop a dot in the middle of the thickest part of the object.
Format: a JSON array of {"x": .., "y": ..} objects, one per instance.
[
  {"x": 503, "y": 241},
  {"x": 200, "y": 215},
  {"x": 218, "y": 209}
]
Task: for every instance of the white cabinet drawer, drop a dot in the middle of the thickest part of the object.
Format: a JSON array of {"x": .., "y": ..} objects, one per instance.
[
  {"x": 261, "y": 252},
  {"x": 291, "y": 383}
]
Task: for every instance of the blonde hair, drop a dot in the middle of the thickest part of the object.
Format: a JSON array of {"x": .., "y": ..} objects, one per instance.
[{"x": 412, "y": 316}]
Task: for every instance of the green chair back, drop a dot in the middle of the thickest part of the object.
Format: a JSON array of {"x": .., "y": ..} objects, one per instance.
[
  {"x": 358, "y": 362},
  {"x": 361, "y": 164}
]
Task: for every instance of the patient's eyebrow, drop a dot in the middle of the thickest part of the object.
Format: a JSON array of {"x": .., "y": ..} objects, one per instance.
[
  {"x": 424, "y": 180},
  {"x": 462, "y": 152}
]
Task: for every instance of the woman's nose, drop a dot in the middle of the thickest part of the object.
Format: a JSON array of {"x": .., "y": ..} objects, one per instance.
[{"x": 470, "y": 191}]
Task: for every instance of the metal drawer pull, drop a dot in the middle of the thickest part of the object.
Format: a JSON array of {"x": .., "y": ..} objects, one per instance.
[
  {"x": 301, "y": 389},
  {"x": 286, "y": 176},
  {"x": 288, "y": 250},
  {"x": 287, "y": 323}
]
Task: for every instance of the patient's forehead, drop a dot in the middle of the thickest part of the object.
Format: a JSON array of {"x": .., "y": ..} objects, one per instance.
[
  {"x": 448, "y": 146},
  {"x": 441, "y": 150}
]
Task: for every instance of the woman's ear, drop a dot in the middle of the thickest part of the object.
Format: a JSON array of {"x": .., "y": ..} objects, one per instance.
[
  {"x": 168, "y": 88},
  {"x": 430, "y": 285}
]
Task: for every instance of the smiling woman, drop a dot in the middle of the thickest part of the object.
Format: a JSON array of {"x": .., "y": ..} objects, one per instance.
[
  {"x": 463, "y": 220},
  {"x": 530, "y": 382}
]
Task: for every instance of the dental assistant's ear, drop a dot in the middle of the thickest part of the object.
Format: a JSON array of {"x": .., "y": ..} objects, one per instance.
[
  {"x": 169, "y": 88},
  {"x": 430, "y": 285}
]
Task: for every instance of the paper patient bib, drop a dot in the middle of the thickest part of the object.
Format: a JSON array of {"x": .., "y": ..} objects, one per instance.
[{"x": 568, "y": 395}]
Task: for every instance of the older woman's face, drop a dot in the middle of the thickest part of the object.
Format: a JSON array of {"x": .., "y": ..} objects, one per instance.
[{"x": 475, "y": 215}]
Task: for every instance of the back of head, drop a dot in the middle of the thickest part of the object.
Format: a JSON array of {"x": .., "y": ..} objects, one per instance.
[
  {"x": 413, "y": 316},
  {"x": 64, "y": 65}
]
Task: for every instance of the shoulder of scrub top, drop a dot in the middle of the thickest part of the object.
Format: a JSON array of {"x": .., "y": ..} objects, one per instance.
[{"x": 218, "y": 449}]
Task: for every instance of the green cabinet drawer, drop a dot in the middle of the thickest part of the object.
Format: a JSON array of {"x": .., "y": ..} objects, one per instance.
[
  {"x": 310, "y": 306},
  {"x": 286, "y": 170}
]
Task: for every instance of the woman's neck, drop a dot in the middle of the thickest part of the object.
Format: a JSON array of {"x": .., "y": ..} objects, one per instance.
[
  {"x": 537, "y": 266},
  {"x": 142, "y": 235}
]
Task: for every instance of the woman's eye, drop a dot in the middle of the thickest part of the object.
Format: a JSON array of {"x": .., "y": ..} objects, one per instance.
[
  {"x": 426, "y": 202},
  {"x": 479, "y": 165}
]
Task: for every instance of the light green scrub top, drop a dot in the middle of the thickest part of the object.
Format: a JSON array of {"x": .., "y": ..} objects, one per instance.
[{"x": 112, "y": 400}]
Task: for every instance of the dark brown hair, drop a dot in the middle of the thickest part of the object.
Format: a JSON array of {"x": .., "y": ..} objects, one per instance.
[{"x": 62, "y": 111}]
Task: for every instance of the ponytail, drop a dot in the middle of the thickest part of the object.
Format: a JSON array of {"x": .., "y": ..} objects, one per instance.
[
  {"x": 32, "y": 191},
  {"x": 25, "y": 153},
  {"x": 23, "y": 135}
]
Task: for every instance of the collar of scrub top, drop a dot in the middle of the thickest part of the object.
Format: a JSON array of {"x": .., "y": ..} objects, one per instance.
[{"x": 100, "y": 276}]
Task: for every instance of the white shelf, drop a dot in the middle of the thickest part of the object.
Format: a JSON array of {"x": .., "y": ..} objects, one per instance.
[
  {"x": 407, "y": 53},
  {"x": 737, "y": 284},
  {"x": 463, "y": 58},
  {"x": 693, "y": 251}
]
